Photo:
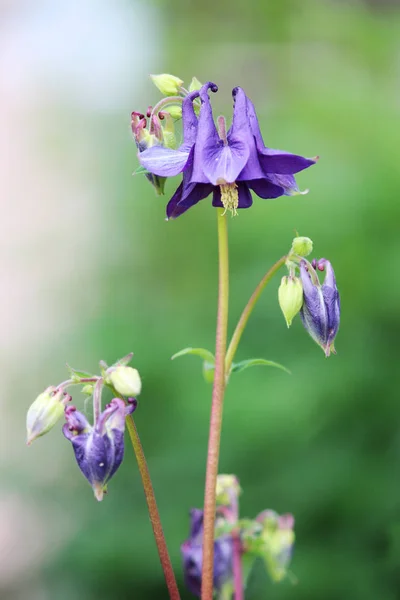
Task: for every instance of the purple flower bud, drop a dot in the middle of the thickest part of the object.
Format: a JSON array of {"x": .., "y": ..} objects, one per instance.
[
  {"x": 99, "y": 450},
  {"x": 192, "y": 555},
  {"x": 321, "y": 308}
]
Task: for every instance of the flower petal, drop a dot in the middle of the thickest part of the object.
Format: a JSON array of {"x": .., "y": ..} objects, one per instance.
[
  {"x": 222, "y": 164},
  {"x": 266, "y": 189},
  {"x": 275, "y": 161},
  {"x": 240, "y": 130},
  {"x": 189, "y": 121},
  {"x": 185, "y": 198},
  {"x": 164, "y": 162},
  {"x": 283, "y": 163}
]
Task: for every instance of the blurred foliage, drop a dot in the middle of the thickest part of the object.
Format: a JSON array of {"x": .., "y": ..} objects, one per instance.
[{"x": 322, "y": 443}]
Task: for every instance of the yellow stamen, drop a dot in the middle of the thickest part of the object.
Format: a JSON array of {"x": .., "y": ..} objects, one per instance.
[{"x": 230, "y": 197}]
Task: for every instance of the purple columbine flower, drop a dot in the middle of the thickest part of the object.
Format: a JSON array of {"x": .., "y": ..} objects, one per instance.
[
  {"x": 228, "y": 164},
  {"x": 192, "y": 555},
  {"x": 320, "y": 312},
  {"x": 99, "y": 450}
]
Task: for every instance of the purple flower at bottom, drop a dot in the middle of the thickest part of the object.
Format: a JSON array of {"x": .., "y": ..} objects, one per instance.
[
  {"x": 192, "y": 555},
  {"x": 320, "y": 312},
  {"x": 99, "y": 450},
  {"x": 228, "y": 164}
]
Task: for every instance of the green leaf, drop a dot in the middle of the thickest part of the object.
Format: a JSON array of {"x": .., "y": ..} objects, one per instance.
[
  {"x": 202, "y": 352},
  {"x": 77, "y": 375},
  {"x": 255, "y": 362},
  {"x": 140, "y": 171},
  {"x": 208, "y": 361}
]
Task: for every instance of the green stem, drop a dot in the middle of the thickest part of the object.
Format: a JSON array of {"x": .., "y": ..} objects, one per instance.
[
  {"x": 248, "y": 309},
  {"x": 153, "y": 511},
  {"x": 216, "y": 410}
]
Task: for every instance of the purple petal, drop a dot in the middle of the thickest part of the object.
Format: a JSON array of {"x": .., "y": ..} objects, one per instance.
[
  {"x": 196, "y": 522},
  {"x": 189, "y": 121},
  {"x": 266, "y": 189},
  {"x": 164, "y": 162},
  {"x": 287, "y": 182},
  {"x": 194, "y": 192},
  {"x": 282, "y": 163},
  {"x": 240, "y": 130},
  {"x": 221, "y": 163},
  {"x": 245, "y": 198}
]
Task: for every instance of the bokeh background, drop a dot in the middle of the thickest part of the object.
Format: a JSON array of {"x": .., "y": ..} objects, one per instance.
[{"x": 90, "y": 270}]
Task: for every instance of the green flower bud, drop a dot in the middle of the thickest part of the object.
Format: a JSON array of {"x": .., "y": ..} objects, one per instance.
[
  {"x": 126, "y": 381},
  {"x": 302, "y": 246},
  {"x": 175, "y": 111},
  {"x": 168, "y": 85},
  {"x": 290, "y": 296},
  {"x": 195, "y": 84},
  {"x": 227, "y": 490},
  {"x": 44, "y": 412}
]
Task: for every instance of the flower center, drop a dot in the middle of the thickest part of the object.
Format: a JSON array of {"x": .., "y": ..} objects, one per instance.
[{"x": 230, "y": 197}]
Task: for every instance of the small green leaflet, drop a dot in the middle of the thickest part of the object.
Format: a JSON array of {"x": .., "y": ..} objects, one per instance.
[
  {"x": 255, "y": 362},
  {"x": 77, "y": 375},
  {"x": 208, "y": 361},
  {"x": 202, "y": 352}
]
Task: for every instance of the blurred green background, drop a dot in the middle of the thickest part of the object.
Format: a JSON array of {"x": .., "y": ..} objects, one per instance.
[{"x": 91, "y": 270}]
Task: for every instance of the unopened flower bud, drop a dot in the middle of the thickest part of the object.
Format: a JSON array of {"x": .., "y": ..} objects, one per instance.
[
  {"x": 302, "y": 246},
  {"x": 99, "y": 450},
  {"x": 44, "y": 412},
  {"x": 126, "y": 381},
  {"x": 228, "y": 490},
  {"x": 277, "y": 542},
  {"x": 175, "y": 110},
  {"x": 320, "y": 312},
  {"x": 195, "y": 85},
  {"x": 192, "y": 555},
  {"x": 169, "y": 85},
  {"x": 290, "y": 296}
]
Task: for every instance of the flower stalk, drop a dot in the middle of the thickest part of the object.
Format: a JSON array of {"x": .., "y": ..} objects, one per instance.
[
  {"x": 153, "y": 511},
  {"x": 248, "y": 309},
  {"x": 237, "y": 567},
  {"x": 216, "y": 409}
]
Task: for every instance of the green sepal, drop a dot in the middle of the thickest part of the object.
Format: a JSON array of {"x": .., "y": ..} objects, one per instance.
[
  {"x": 208, "y": 361},
  {"x": 77, "y": 375},
  {"x": 255, "y": 362},
  {"x": 141, "y": 171},
  {"x": 125, "y": 360}
]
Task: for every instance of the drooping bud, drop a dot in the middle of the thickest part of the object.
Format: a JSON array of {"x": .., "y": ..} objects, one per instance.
[
  {"x": 320, "y": 312},
  {"x": 99, "y": 450},
  {"x": 192, "y": 555},
  {"x": 169, "y": 85},
  {"x": 44, "y": 412},
  {"x": 126, "y": 380},
  {"x": 302, "y": 246},
  {"x": 290, "y": 296},
  {"x": 175, "y": 110},
  {"x": 195, "y": 85},
  {"x": 277, "y": 542},
  {"x": 146, "y": 138}
]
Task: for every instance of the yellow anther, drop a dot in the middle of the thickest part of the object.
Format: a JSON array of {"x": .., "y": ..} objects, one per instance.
[{"x": 230, "y": 197}]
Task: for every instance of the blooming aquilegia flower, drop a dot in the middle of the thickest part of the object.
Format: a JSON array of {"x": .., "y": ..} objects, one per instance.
[
  {"x": 229, "y": 164},
  {"x": 192, "y": 555},
  {"x": 99, "y": 449},
  {"x": 320, "y": 312}
]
